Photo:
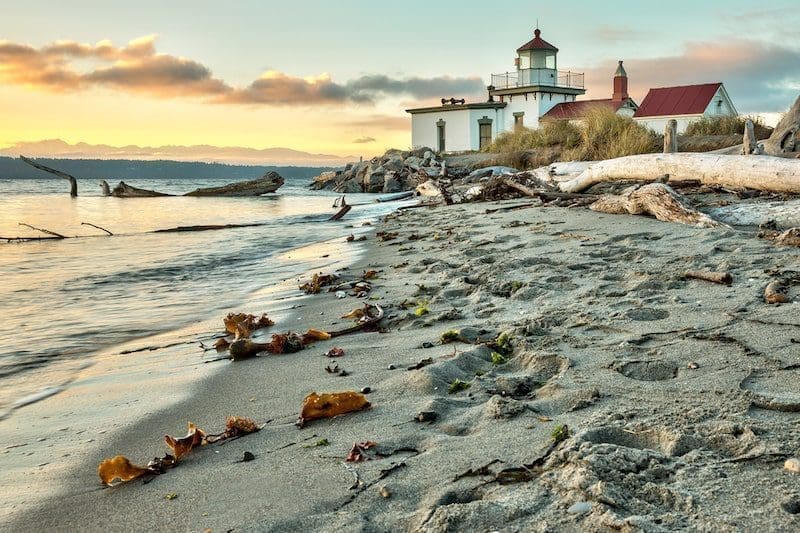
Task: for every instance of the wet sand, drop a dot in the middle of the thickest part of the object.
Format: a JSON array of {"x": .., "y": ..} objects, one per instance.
[{"x": 677, "y": 399}]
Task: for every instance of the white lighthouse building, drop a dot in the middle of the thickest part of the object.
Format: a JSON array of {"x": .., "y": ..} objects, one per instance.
[{"x": 516, "y": 99}]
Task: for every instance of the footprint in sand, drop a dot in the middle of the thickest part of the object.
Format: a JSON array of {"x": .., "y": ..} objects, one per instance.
[
  {"x": 646, "y": 370},
  {"x": 776, "y": 390}
]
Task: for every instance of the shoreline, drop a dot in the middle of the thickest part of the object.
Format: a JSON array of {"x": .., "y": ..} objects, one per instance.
[{"x": 656, "y": 377}]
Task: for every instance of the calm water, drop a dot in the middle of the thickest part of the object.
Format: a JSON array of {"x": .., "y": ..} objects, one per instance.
[{"x": 61, "y": 301}]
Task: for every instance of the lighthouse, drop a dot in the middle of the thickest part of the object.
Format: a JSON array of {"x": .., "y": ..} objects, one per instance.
[{"x": 516, "y": 99}]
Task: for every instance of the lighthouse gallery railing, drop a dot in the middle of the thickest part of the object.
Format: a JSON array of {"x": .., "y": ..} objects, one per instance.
[{"x": 545, "y": 77}]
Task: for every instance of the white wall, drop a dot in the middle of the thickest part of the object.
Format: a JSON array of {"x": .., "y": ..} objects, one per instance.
[
  {"x": 457, "y": 130},
  {"x": 658, "y": 124}
]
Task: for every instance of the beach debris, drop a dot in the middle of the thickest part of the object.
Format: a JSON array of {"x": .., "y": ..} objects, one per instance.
[
  {"x": 722, "y": 278},
  {"x": 421, "y": 363},
  {"x": 422, "y": 308},
  {"x": 373, "y": 313},
  {"x": 222, "y": 344},
  {"x": 449, "y": 336},
  {"x": 345, "y": 208},
  {"x": 426, "y": 416},
  {"x": 285, "y": 343},
  {"x": 776, "y": 293},
  {"x": 341, "y": 294},
  {"x": 270, "y": 182},
  {"x": 656, "y": 199},
  {"x": 791, "y": 506},
  {"x": 247, "y": 457},
  {"x": 243, "y": 325},
  {"x": 384, "y": 236},
  {"x": 692, "y": 365},
  {"x": 792, "y": 465},
  {"x": 498, "y": 358},
  {"x": 359, "y": 452},
  {"x": 335, "y": 352},
  {"x": 170, "y": 496},
  {"x": 315, "y": 335},
  {"x": 120, "y": 469},
  {"x": 73, "y": 183},
  {"x": 350, "y": 238},
  {"x": 334, "y": 369},
  {"x": 355, "y": 313},
  {"x": 319, "y": 443},
  {"x": 385, "y": 492},
  {"x": 580, "y": 508},
  {"x": 318, "y": 282},
  {"x": 457, "y": 386},
  {"x": 366, "y": 390},
  {"x": 182, "y": 446},
  {"x": 328, "y": 405},
  {"x": 370, "y": 274}
]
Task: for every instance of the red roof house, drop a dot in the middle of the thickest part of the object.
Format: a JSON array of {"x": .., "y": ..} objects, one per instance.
[{"x": 684, "y": 104}]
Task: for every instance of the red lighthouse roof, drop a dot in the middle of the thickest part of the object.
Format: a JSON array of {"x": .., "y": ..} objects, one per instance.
[{"x": 537, "y": 43}]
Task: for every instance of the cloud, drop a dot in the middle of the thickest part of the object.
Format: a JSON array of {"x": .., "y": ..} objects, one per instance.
[
  {"x": 760, "y": 76},
  {"x": 382, "y": 122},
  {"x": 139, "y": 68},
  {"x": 364, "y": 140}
]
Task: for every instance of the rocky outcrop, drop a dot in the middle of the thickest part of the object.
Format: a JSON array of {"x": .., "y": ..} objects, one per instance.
[{"x": 394, "y": 171}]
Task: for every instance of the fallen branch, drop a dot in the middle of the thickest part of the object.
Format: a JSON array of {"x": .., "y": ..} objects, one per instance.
[
  {"x": 73, "y": 183},
  {"x": 47, "y": 231},
  {"x": 723, "y": 278},
  {"x": 341, "y": 212},
  {"x": 658, "y": 200},
  {"x": 763, "y": 173},
  {"x": 364, "y": 322},
  {"x": 94, "y": 226}
]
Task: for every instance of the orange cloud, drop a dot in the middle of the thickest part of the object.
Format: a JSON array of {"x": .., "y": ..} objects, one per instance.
[
  {"x": 759, "y": 76},
  {"x": 139, "y": 68}
]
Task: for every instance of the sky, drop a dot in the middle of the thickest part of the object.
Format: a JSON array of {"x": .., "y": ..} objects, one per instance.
[{"x": 335, "y": 77}]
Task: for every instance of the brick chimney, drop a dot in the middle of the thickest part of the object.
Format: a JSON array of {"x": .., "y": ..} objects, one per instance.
[{"x": 620, "y": 84}]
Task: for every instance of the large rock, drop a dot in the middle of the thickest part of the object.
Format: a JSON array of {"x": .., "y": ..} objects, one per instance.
[
  {"x": 395, "y": 164},
  {"x": 350, "y": 186},
  {"x": 391, "y": 183},
  {"x": 373, "y": 182},
  {"x": 413, "y": 162}
]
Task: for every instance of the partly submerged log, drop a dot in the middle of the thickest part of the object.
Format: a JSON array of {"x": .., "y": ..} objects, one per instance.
[
  {"x": 105, "y": 188},
  {"x": 269, "y": 182},
  {"x": 785, "y": 139},
  {"x": 123, "y": 190},
  {"x": 656, "y": 199},
  {"x": 737, "y": 171},
  {"x": 73, "y": 183}
]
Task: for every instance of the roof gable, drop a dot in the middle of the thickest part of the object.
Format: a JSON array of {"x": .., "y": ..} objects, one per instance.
[
  {"x": 537, "y": 43},
  {"x": 683, "y": 100}
]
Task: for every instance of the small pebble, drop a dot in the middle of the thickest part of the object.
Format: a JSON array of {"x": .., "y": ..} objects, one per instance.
[
  {"x": 391, "y": 367},
  {"x": 247, "y": 456},
  {"x": 427, "y": 345},
  {"x": 580, "y": 508},
  {"x": 427, "y": 416},
  {"x": 386, "y": 493},
  {"x": 366, "y": 390},
  {"x": 792, "y": 465},
  {"x": 792, "y": 506},
  {"x": 341, "y": 294},
  {"x": 692, "y": 365}
]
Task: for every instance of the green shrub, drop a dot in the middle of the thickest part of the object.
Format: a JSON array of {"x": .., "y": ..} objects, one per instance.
[
  {"x": 449, "y": 336},
  {"x": 560, "y": 432},
  {"x": 727, "y": 126},
  {"x": 457, "y": 386}
]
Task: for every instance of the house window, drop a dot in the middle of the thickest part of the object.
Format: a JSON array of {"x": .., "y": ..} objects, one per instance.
[
  {"x": 519, "y": 119},
  {"x": 485, "y": 132},
  {"x": 440, "y": 135}
]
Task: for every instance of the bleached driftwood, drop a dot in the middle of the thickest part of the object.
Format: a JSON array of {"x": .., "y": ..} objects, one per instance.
[
  {"x": 73, "y": 183},
  {"x": 123, "y": 190},
  {"x": 785, "y": 139},
  {"x": 782, "y": 214},
  {"x": 737, "y": 171},
  {"x": 105, "y": 188},
  {"x": 749, "y": 142},
  {"x": 656, "y": 199},
  {"x": 671, "y": 137}
]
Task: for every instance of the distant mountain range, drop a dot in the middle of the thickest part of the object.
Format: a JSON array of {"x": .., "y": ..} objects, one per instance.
[
  {"x": 127, "y": 169},
  {"x": 57, "y": 148}
]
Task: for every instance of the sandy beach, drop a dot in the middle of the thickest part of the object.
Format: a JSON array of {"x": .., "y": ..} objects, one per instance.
[{"x": 629, "y": 399}]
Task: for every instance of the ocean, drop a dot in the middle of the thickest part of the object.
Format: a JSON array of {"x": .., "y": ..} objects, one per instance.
[{"x": 64, "y": 301}]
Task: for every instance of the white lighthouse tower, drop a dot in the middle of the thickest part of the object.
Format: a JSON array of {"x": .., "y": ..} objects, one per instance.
[{"x": 536, "y": 86}]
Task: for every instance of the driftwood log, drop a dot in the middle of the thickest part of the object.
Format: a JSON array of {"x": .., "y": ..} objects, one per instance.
[
  {"x": 785, "y": 139},
  {"x": 656, "y": 199},
  {"x": 749, "y": 142},
  {"x": 269, "y": 182},
  {"x": 123, "y": 190},
  {"x": 736, "y": 171},
  {"x": 73, "y": 183},
  {"x": 105, "y": 188},
  {"x": 722, "y": 278},
  {"x": 671, "y": 137}
]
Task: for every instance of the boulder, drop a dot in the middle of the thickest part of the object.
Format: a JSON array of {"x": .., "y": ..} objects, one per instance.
[
  {"x": 350, "y": 186},
  {"x": 413, "y": 162},
  {"x": 395, "y": 164},
  {"x": 373, "y": 182},
  {"x": 391, "y": 183}
]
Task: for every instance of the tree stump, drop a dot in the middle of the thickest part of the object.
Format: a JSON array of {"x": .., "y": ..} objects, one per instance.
[{"x": 671, "y": 137}]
